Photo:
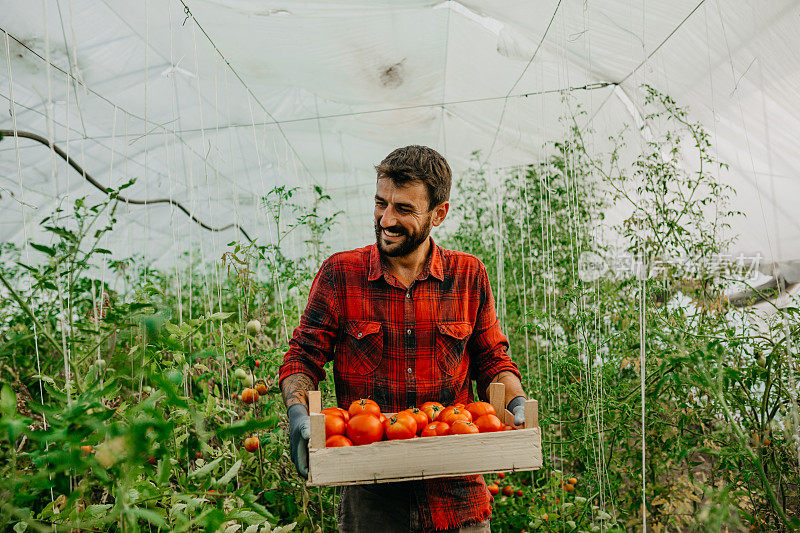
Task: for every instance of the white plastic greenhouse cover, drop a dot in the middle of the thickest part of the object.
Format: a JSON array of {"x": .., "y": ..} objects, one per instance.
[{"x": 214, "y": 102}]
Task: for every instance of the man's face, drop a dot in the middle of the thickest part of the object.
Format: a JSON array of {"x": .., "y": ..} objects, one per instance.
[{"x": 402, "y": 218}]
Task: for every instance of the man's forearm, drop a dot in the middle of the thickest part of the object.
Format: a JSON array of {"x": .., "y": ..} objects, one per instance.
[
  {"x": 295, "y": 389},
  {"x": 512, "y": 383}
]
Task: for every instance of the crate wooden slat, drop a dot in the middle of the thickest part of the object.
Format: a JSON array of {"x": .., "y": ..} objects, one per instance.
[
  {"x": 403, "y": 460},
  {"x": 424, "y": 458}
]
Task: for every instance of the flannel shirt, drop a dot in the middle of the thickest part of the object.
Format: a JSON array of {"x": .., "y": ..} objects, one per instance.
[{"x": 405, "y": 346}]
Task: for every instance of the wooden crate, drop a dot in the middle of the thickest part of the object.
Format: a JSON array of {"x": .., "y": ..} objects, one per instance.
[{"x": 428, "y": 457}]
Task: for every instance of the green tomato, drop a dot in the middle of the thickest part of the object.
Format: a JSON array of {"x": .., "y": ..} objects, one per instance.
[
  {"x": 240, "y": 374},
  {"x": 253, "y": 327},
  {"x": 175, "y": 376}
]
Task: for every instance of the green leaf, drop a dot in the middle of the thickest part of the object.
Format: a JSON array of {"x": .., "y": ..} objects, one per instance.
[
  {"x": 96, "y": 510},
  {"x": 224, "y": 480},
  {"x": 8, "y": 401},
  {"x": 206, "y": 469},
  {"x": 150, "y": 516},
  {"x": 44, "y": 249},
  {"x": 61, "y": 232},
  {"x": 220, "y": 316}
]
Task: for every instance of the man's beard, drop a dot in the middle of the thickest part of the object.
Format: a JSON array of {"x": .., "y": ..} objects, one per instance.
[{"x": 409, "y": 242}]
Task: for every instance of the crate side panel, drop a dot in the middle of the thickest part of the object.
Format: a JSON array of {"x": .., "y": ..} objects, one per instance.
[{"x": 427, "y": 458}]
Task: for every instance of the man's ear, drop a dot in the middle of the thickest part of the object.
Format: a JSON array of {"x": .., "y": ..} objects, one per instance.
[{"x": 440, "y": 213}]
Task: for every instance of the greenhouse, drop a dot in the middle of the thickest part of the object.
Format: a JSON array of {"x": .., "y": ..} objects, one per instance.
[{"x": 404, "y": 266}]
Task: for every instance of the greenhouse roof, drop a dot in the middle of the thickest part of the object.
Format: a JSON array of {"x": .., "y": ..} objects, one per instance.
[{"x": 212, "y": 103}]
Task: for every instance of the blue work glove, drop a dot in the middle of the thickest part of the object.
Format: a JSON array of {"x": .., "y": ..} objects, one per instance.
[
  {"x": 299, "y": 433},
  {"x": 517, "y": 408}
]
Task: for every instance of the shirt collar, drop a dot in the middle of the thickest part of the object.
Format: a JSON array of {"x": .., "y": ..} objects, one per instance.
[{"x": 433, "y": 265}]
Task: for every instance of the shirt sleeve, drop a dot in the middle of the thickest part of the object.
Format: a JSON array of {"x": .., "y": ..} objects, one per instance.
[
  {"x": 488, "y": 346},
  {"x": 313, "y": 341}
]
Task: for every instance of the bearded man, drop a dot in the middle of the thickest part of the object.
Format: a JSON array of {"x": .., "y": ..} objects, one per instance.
[{"x": 404, "y": 322}]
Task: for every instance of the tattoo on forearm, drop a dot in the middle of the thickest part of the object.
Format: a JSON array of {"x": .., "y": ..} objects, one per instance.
[{"x": 295, "y": 389}]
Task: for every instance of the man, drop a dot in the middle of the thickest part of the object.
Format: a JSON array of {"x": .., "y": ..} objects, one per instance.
[{"x": 404, "y": 322}]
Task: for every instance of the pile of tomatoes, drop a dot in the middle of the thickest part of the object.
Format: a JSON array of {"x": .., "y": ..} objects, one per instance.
[{"x": 363, "y": 423}]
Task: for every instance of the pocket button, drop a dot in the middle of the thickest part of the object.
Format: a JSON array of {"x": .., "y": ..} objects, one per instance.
[{"x": 360, "y": 334}]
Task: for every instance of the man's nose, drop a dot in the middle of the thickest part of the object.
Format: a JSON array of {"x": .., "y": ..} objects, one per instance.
[{"x": 389, "y": 218}]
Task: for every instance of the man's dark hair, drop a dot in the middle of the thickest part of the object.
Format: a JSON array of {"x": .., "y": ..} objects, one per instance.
[{"x": 419, "y": 163}]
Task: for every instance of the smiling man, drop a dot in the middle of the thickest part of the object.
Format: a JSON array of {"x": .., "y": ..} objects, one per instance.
[{"x": 404, "y": 322}]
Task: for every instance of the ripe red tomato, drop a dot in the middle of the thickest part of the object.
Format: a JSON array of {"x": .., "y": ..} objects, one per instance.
[
  {"x": 261, "y": 388},
  {"x": 258, "y": 363},
  {"x": 436, "y": 429},
  {"x": 452, "y": 413},
  {"x": 250, "y": 396},
  {"x": 400, "y": 426},
  {"x": 478, "y": 409},
  {"x": 507, "y": 490},
  {"x": 419, "y": 417},
  {"x": 251, "y": 444},
  {"x": 364, "y": 429},
  {"x": 86, "y": 449},
  {"x": 489, "y": 424},
  {"x": 337, "y": 411},
  {"x": 494, "y": 490},
  {"x": 334, "y": 425},
  {"x": 337, "y": 441},
  {"x": 459, "y": 405},
  {"x": 518, "y": 493},
  {"x": 501, "y": 475},
  {"x": 432, "y": 409},
  {"x": 506, "y": 427},
  {"x": 382, "y": 418},
  {"x": 463, "y": 427},
  {"x": 362, "y": 406}
]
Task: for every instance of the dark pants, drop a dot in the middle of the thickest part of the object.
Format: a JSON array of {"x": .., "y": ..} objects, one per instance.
[{"x": 384, "y": 508}]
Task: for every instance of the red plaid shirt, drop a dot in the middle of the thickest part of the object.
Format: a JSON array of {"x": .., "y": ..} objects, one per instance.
[{"x": 403, "y": 347}]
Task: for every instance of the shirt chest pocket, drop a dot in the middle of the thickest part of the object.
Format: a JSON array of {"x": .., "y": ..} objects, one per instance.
[
  {"x": 451, "y": 341},
  {"x": 364, "y": 340}
]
